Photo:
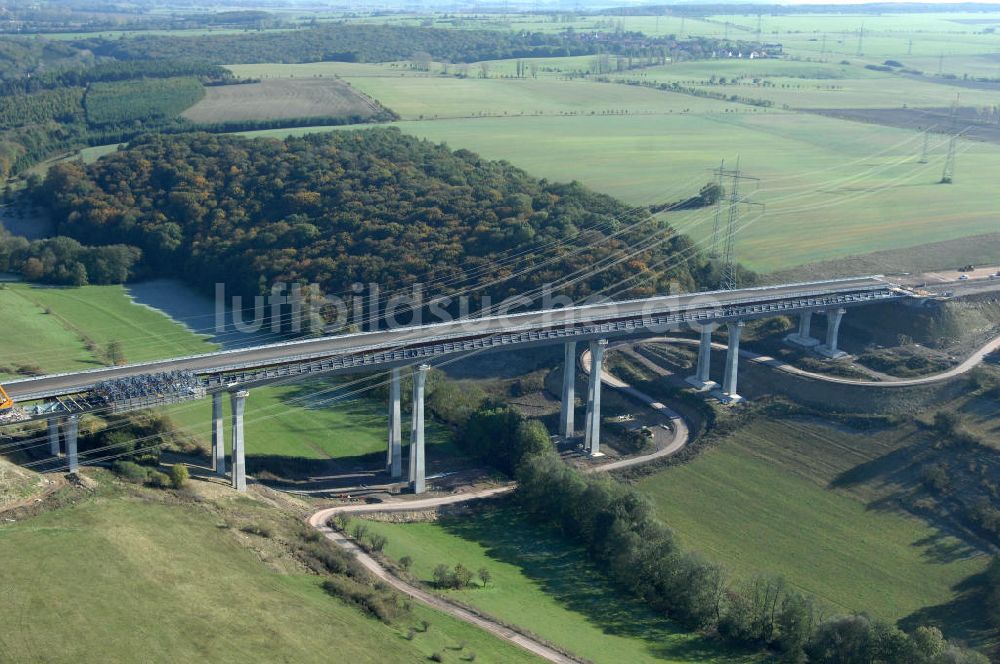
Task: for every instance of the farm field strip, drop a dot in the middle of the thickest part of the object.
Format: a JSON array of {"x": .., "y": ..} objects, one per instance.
[{"x": 276, "y": 99}]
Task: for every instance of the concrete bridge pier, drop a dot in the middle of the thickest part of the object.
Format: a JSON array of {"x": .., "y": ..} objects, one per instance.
[
  {"x": 239, "y": 403},
  {"x": 592, "y": 438},
  {"x": 729, "y": 394},
  {"x": 418, "y": 483},
  {"x": 803, "y": 337},
  {"x": 830, "y": 349},
  {"x": 218, "y": 436},
  {"x": 72, "y": 431},
  {"x": 54, "y": 436},
  {"x": 702, "y": 378},
  {"x": 567, "y": 427},
  {"x": 394, "y": 453},
  {"x": 417, "y": 461}
]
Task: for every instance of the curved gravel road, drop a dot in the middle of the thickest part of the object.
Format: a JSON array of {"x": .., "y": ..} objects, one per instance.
[
  {"x": 320, "y": 519},
  {"x": 963, "y": 367}
]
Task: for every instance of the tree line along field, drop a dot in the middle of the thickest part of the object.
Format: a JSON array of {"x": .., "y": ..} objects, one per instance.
[{"x": 281, "y": 99}]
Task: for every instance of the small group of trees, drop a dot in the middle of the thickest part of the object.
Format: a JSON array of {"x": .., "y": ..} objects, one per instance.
[
  {"x": 502, "y": 436},
  {"x": 176, "y": 478},
  {"x": 369, "y": 541},
  {"x": 459, "y": 577},
  {"x": 64, "y": 261}
]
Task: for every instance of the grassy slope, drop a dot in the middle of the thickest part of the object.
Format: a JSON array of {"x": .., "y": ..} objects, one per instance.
[
  {"x": 299, "y": 421},
  {"x": 761, "y": 502},
  {"x": 56, "y": 341},
  {"x": 547, "y": 586},
  {"x": 122, "y": 581}
]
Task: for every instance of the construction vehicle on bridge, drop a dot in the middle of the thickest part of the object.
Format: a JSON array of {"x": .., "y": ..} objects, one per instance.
[{"x": 5, "y": 401}]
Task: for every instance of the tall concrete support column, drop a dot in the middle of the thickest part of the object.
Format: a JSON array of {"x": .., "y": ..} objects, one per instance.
[
  {"x": 218, "y": 436},
  {"x": 804, "y": 336},
  {"x": 239, "y": 404},
  {"x": 702, "y": 378},
  {"x": 394, "y": 453},
  {"x": 805, "y": 324},
  {"x": 592, "y": 440},
  {"x": 566, "y": 424},
  {"x": 830, "y": 349},
  {"x": 72, "y": 430},
  {"x": 729, "y": 394},
  {"x": 417, "y": 481},
  {"x": 54, "y": 436}
]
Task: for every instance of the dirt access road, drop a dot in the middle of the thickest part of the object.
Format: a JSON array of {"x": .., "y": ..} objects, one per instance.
[{"x": 320, "y": 519}]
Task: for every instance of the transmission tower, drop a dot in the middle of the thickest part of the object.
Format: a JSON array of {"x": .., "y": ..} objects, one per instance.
[
  {"x": 713, "y": 251},
  {"x": 948, "y": 174},
  {"x": 758, "y": 29},
  {"x": 729, "y": 276},
  {"x": 923, "y": 155},
  {"x": 861, "y": 37}
]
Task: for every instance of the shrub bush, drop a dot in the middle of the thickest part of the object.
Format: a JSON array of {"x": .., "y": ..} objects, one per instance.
[
  {"x": 157, "y": 479},
  {"x": 179, "y": 476},
  {"x": 129, "y": 471}
]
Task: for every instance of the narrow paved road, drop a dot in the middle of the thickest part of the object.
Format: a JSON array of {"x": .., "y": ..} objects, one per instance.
[
  {"x": 974, "y": 360},
  {"x": 320, "y": 519}
]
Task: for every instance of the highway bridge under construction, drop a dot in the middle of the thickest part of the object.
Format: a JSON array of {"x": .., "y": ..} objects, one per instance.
[{"x": 62, "y": 398}]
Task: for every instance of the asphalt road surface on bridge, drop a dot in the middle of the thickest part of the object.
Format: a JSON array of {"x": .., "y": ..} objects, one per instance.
[{"x": 342, "y": 345}]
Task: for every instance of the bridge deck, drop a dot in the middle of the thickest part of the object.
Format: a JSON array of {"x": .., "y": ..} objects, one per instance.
[{"x": 704, "y": 307}]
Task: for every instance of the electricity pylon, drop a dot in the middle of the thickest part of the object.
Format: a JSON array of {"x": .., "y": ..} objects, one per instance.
[
  {"x": 730, "y": 279},
  {"x": 948, "y": 174},
  {"x": 923, "y": 155}
]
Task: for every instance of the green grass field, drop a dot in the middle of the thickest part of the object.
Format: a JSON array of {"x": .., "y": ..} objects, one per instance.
[
  {"x": 813, "y": 85},
  {"x": 416, "y": 96},
  {"x": 309, "y": 420},
  {"x": 832, "y": 188},
  {"x": 761, "y": 502},
  {"x": 58, "y": 329},
  {"x": 119, "y": 580},
  {"x": 547, "y": 586}
]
